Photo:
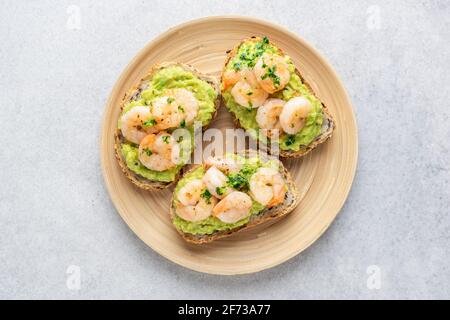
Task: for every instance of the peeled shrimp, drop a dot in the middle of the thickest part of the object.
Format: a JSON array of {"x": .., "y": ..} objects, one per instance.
[
  {"x": 190, "y": 193},
  {"x": 186, "y": 103},
  {"x": 216, "y": 182},
  {"x": 267, "y": 187},
  {"x": 247, "y": 92},
  {"x": 202, "y": 210},
  {"x": 230, "y": 78},
  {"x": 176, "y": 106},
  {"x": 159, "y": 152},
  {"x": 268, "y": 115},
  {"x": 294, "y": 113},
  {"x": 272, "y": 72},
  {"x": 234, "y": 207},
  {"x": 192, "y": 207},
  {"x": 225, "y": 164},
  {"x": 133, "y": 124}
]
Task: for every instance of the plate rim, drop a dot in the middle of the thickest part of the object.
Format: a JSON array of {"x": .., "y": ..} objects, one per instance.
[{"x": 154, "y": 42}]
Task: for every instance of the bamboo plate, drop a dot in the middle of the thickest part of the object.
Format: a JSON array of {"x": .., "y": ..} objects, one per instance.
[{"x": 324, "y": 177}]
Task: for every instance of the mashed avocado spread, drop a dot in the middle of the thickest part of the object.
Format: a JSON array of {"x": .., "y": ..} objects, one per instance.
[
  {"x": 170, "y": 78},
  {"x": 238, "y": 181},
  {"x": 247, "y": 56}
]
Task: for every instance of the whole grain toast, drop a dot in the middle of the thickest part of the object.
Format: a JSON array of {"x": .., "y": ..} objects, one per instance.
[
  {"x": 291, "y": 200},
  {"x": 135, "y": 94},
  {"x": 328, "y": 124}
]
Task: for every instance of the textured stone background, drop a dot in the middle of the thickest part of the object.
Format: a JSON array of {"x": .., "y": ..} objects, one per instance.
[{"x": 393, "y": 57}]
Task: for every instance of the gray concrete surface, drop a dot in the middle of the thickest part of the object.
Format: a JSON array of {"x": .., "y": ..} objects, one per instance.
[{"x": 58, "y": 63}]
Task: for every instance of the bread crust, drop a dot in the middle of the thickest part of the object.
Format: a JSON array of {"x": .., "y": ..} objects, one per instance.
[
  {"x": 291, "y": 201},
  {"x": 134, "y": 94},
  {"x": 328, "y": 125}
]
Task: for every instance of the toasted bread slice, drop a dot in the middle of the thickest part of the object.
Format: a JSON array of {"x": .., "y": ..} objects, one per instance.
[
  {"x": 135, "y": 94},
  {"x": 328, "y": 124},
  {"x": 291, "y": 200}
]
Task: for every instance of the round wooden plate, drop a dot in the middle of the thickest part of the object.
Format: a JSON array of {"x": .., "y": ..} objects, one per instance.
[{"x": 324, "y": 177}]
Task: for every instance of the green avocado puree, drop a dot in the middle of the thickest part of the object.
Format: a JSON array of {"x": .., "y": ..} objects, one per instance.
[
  {"x": 213, "y": 224},
  {"x": 247, "y": 55},
  {"x": 169, "y": 78}
]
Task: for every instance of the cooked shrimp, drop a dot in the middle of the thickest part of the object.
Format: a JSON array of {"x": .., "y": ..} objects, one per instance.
[
  {"x": 268, "y": 115},
  {"x": 267, "y": 186},
  {"x": 190, "y": 193},
  {"x": 176, "y": 107},
  {"x": 247, "y": 92},
  {"x": 225, "y": 164},
  {"x": 159, "y": 152},
  {"x": 191, "y": 206},
  {"x": 187, "y": 104},
  {"x": 135, "y": 125},
  {"x": 234, "y": 207},
  {"x": 216, "y": 182},
  {"x": 166, "y": 114},
  {"x": 200, "y": 211},
  {"x": 294, "y": 113},
  {"x": 272, "y": 72},
  {"x": 230, "y": 78}
]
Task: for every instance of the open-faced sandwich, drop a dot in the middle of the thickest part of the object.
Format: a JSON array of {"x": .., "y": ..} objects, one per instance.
[
  {"x": 231, "y": 193},
  {"x": 150, "y": 150},
  {"x": 269, "y": 98}
]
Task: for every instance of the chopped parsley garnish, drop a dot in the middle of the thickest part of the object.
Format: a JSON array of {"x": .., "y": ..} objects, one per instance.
[
  {"x": 250, "y": 55},
  {"x": 251, "y": 63},
  {"x": 206, "y": 195},
  {"x": 183, "y": 123},
  {"x": 180, "y": 108},
  {"x": 170, "y": 100},
  {"x": 249, "y": 93},
  {"x": 247, "y": 171},
  {"x": 148, "y": 151},
  {"x": 290, "y": 140},
  {"x": 247, "y": 58},
  {"x": 165, "y": 139},
  {"x": 149, "y": 123},
  {"x": 272, "y": 75},
  {"x": 260, "y": 47},
  {"x": 220, "y": 190},
  {"x": 238, "y": 182}
]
